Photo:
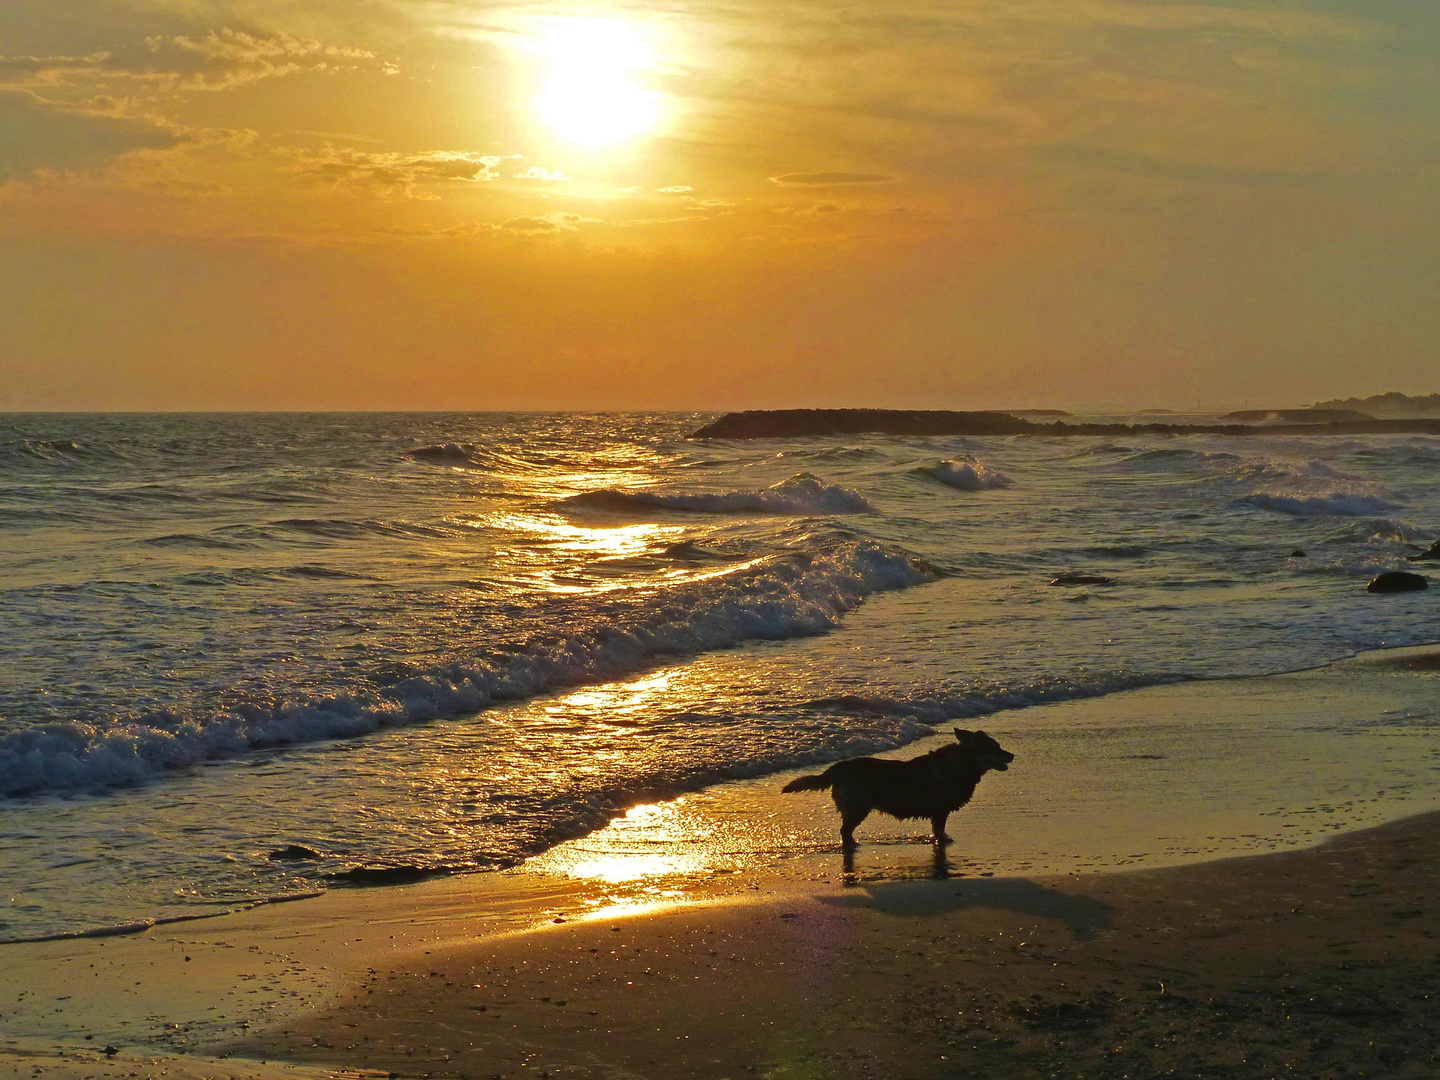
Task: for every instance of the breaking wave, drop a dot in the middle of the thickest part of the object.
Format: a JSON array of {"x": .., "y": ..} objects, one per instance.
[
  {"x": 966, "y": 475},
  {"x": 787, "y": 596},
  {"x": 1332, "y": 504},
  {"x": 447, "y": 453},
  {"x": 802, "y": 494},
  {"x": 471, "y": 455}
]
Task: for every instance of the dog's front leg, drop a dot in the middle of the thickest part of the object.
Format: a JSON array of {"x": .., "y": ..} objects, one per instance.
[{"x": 938, "y": 823}]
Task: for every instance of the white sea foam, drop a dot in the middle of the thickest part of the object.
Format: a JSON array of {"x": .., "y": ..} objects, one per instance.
[
  {"x": 967, "y": 475},
  {"x": 801, "y": 495},
  {"x": 1269, "y": 471},
  {"x": 1331, "y": 504},
  {"x": 783, "y": 597}
]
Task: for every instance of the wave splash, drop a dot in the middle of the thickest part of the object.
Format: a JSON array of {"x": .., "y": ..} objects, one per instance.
[
  {"x": 966, "y": 474},
  {"x": 792, "y": 595},
  {"x": 1331, "y": 504},
  {"x": 801, "y": 495}
]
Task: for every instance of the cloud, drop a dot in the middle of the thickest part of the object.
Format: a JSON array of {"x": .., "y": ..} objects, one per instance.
[
  {"x": 548, "y": 224},
  {"x": 676, "y": 189},
  {"x": 389, "y": 174},
  {"x": 831, "y": 179},
  {"x": 36, "y": 135},
  {"x": 816, "y": 211},
  {"x": 554, "y": 176},
  {"x": 218, "y": 60}
]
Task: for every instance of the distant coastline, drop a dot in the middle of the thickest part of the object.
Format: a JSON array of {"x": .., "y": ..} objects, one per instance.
[
  {"x": 1388, "y": 406},
  {"x": 808, "y": 423}
]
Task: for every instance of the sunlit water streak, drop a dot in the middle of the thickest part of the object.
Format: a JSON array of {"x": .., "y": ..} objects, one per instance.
[{"x": 448, "y": 641}]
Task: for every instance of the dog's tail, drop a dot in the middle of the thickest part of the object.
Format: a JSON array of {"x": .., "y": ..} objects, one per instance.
[{"x": 818, "y": 782}]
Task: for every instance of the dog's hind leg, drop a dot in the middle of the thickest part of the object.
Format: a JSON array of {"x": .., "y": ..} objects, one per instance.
[
  {"x": 849, "y": 819},
  {"x": 847, "y": 830},
  {"x": 854, "y": 808},
  {"x": 938, "y": 824}
]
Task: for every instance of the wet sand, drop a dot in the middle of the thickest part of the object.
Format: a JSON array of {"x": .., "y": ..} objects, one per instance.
[
  {"x": 1312, "y": 963},
  {"x": 724, "y": 935}
]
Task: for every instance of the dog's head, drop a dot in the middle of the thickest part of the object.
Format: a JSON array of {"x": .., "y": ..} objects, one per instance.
[{"x": 983, "y": 750}]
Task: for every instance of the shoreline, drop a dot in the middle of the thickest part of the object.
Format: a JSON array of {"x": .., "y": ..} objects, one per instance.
[
  {"x": 1424, "y": 656},
  {"x": 743, "y": 856}
]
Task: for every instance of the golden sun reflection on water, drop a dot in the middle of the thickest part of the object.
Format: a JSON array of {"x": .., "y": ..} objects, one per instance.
[
  {"x": 651, "y": 842},
  {"x": 613, "y": 541},
  {"x": 665, "y": 850},
  {"x": 596, "y": 557},
  {"x": 622, "y": 700},
  {"x": 579, "y": 548}
]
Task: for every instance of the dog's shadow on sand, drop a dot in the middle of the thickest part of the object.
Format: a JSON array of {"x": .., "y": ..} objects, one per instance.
[{"x": 945, "y": 893}]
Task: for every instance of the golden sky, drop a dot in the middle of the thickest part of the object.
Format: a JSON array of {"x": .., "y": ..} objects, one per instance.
[{"x": 716, "y": 203}]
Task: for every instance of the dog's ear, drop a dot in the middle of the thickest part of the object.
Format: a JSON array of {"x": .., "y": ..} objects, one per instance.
[{"x": 960, "y": 734}]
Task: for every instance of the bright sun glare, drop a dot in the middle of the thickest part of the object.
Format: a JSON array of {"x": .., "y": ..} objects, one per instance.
[{"x": 590, "y": 96}]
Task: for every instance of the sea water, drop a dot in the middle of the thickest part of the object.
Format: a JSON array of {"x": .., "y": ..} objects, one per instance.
[{"x": 397, "y": 644}]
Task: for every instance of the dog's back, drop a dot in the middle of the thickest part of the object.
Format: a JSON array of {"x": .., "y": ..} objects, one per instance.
[{"x": 931, "y": 786}]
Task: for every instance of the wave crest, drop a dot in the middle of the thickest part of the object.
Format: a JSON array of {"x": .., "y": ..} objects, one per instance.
[
  {"x": 966, "y": 474},
  {"x": 801, "y": 495},
  {"x": 793, "y": 595},
  {"x": 1331, "y": 504}
]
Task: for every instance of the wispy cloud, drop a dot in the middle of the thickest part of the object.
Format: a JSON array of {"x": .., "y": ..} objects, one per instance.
[
  {"x": 218, "y": 60},
  {"x": 830, "y": 179},
  {"x": 535, "y": 172},
  {"x": 547, "y": 224},
  {"x": 391, "y": 174}
]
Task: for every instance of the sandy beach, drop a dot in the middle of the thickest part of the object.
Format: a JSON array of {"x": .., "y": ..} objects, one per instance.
[{"x": 1207, "y": 933}]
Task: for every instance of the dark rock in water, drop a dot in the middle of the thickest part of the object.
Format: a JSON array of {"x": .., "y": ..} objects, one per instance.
[
  {"x": 1081, "y": 579},
  {"x": 388, "y": 875},
  {"x": 1396, "y": 581},
  {"x": 293, "y": 853},
  {"x": 1433, "y": 553},
  {"x": 1297, "y": 554},
  {"x": 799, "y": 423}
]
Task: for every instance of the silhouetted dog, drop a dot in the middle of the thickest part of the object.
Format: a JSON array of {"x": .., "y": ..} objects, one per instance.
[{"x": 932, "y": 786}]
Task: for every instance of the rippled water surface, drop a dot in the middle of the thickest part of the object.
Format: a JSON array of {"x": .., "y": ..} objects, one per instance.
[{"x": 447, "y": 641}]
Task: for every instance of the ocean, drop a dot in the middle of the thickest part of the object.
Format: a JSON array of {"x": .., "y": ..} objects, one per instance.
[{"x": 401, "y": 644}]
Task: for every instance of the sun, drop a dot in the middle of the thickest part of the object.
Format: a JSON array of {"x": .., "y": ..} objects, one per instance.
[{"x": 591, "y": 96}]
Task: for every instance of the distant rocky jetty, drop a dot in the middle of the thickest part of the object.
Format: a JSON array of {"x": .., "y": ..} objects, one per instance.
[
  {"x": 797, "y": 423},
  {"x": 805, "y": 423},
  {"x": 1392, "y": 405}
]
